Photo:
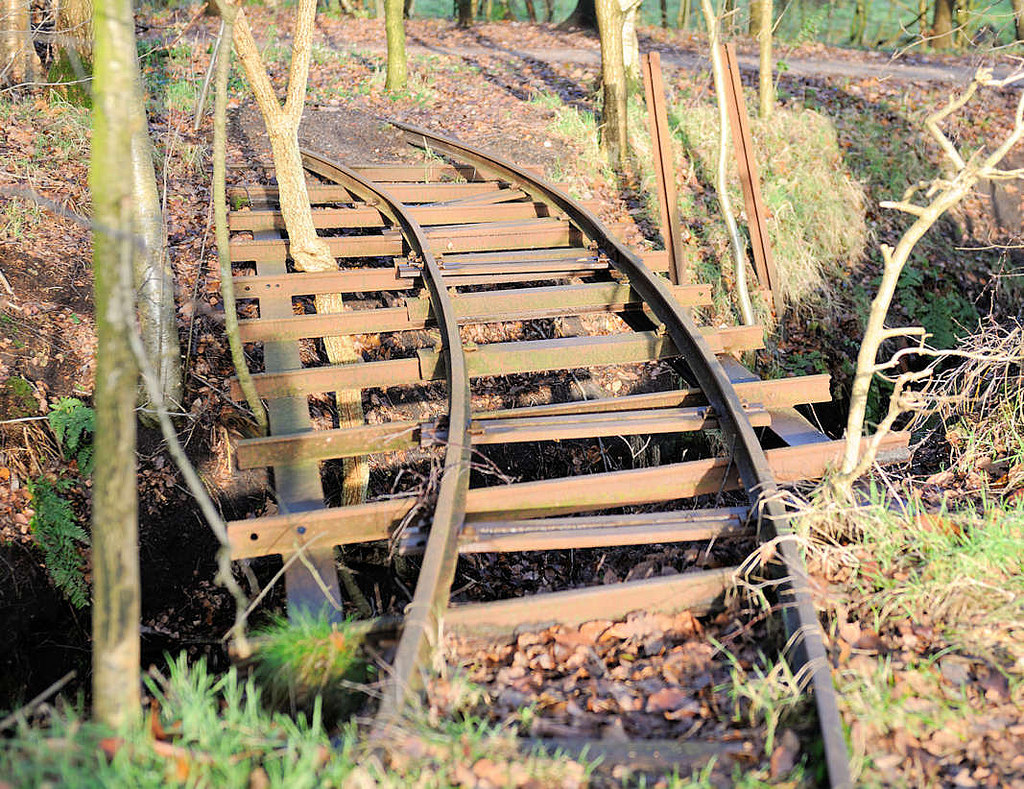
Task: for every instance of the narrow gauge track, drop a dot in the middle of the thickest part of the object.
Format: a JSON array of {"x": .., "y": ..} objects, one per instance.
[{"x": 442, "y": 230}]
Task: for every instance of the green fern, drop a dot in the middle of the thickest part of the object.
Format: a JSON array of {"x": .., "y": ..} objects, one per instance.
[
  {"x": 59, "y": 535},
  {"x": 73, "y": 422}
]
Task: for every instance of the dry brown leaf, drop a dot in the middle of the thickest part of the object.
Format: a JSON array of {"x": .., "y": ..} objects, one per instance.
[
  {"x": 785, "y": 754},
  {"x": 667, "y": 700}
]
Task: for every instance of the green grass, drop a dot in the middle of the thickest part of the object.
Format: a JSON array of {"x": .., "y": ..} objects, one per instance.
[
  {"x": 816, "y": 220},
  {"x": 309, "y": 661},
  {"x": 214, "y": 730}
]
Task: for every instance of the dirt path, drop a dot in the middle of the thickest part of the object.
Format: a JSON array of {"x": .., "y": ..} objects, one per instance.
[{"x": 885, "y": 68}]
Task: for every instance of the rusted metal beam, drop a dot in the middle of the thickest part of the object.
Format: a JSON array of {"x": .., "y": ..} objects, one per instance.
[
  {"x": 750, "y": 180},
  {"x": 601, "y": 531},
  {"x": 563, "y": 353},
  {"x": 406, "y": 193},
  {"x": 297, "y": 481},
  {"x": 664, "y": 166},
  {"x": 486, "y": 307},
  {"x": 367, "y": 216},
  {"x": 342, "y": 525},
  {"x": 404, "y": 435},
  {"x": 778, "y": 393},
  {"x": 695, "y": 592},
  {"x": 524, "y": 234}
]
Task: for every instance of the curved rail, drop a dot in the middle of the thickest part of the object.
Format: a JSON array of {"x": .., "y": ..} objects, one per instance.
[
  {"x": 438, "y": 570},
  {"x": 801, "y": 620}
]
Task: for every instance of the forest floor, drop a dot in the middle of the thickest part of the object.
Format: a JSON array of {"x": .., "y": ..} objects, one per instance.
[{"x": 945, "y": 710}]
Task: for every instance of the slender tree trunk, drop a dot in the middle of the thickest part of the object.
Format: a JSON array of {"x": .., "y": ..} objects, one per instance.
[
  {"x": 394, "y": 29},
  {"x": 465, "y": 13},
  {"x": 227, "y": 286},
  {"x": 408, "y": 7},
  {"x": 531, "y": 11},
  {"x": 18, "y": 60},
  {"x": 115, "y": 611},
  {"x": 922, "y": 17},
  {"x": 728, "y": 24},
  {"x": 664, "y": 14},
  {"x": 859, "y": 26},
  {"x": 766, "y": 87},
  {"x": 153, "y": 277},
  {"x": 613, "y": 77},
  {"x": 1018, "y": 18},
  {"x": 942, "y": 24},
  {"x": 683, "y": 17},
  {"x": 549, "y": 6},
  {"x": 630, "y": 42},
  {"x": 754, "y": 25},
  {"x": 308, "y": 251},
  {"x": 962, "y": 10}
]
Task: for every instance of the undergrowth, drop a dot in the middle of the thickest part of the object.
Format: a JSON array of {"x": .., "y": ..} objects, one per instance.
[
  {"x": 58, "y": 534},
  {"x": 210, "y": 730},
  {"x": 73, "y": 423}
]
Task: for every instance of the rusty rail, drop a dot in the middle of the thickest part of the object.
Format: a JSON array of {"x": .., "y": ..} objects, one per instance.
[{"x": 506, "y": 226}]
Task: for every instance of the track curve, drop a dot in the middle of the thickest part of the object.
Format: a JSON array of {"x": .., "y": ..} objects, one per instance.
[{"x": 478, "y": 220}]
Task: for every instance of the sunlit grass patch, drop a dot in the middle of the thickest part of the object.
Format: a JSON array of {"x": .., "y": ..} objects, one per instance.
[
  {"x": 309, "y": 661},
  {"x": 816, "y": 210}
]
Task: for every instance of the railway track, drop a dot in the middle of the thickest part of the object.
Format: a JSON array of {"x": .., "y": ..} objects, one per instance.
[{"x": 435, "y": 257}]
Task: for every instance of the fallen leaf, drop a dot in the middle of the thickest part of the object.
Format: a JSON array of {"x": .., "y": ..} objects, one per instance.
[{"x": 785, "y": 754}]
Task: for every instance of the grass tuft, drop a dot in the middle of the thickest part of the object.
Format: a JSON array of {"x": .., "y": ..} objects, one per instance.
[{"x": 308, "y": 660}]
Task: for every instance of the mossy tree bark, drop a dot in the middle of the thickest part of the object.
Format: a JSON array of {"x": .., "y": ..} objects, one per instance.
[
  {"x": 1018, "y": 18},
  {"x": 394, "y": 29},
  {"x": 942, "y": 24},
  {"x": 308, "y": 251},
  {"x": 613, "y": 78},
  {"x": 115, "y": 611}
]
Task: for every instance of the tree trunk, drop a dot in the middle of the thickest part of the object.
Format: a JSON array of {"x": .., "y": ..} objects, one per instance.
[
  {"x": 74, "y": 27},
  {"x": 583, "y": 16},
  {"x": 766, "y": 87},
  {"x": 859, "y": 26},
  {"x": 1018, "y": 18},
  {"x": 728, "y": 23},
  {"x": 630, "y": 42},
  {"x": 19, "y": 62},
  {"x": 115, "y": 611},
  {"x": 394, "y": 29},
  {"x": 408, "y": 7},
  {"x": 754, "y": 24},
  {"x": 308, "y": 251},
  {"x": 942, "y": 24},
  {"x": 962, "y": 10},
  {"x": 683, "y": 17},
  {"x": 153, "y": 277},
  {"x": 465, "y": 13},
  {"x": 531, "y": 11},
  {"x": 549, "y": 6},
  {"x": 220, "y": 213},
  {"x": 613, "y": 78}
]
